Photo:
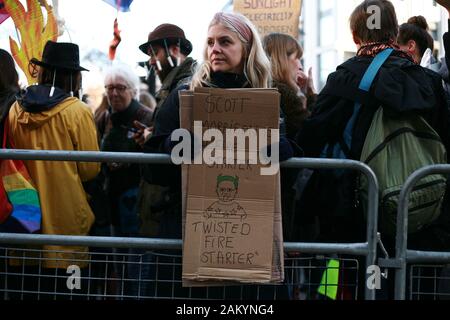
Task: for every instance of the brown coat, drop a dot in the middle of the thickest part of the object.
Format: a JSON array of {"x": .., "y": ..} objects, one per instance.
[{"x": 295, "y": 106}]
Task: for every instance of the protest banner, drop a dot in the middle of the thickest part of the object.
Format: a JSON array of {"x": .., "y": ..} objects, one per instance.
[
  {"x": 271, "y": 15},
  {"x": 231, "y": 213}
]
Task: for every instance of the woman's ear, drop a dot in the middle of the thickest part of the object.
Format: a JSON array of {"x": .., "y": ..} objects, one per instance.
[
  {"x": 412, "y": 46},
  {"x": 246, "y": 50},
  {"x": 356, "y": 39},
  {"x": 413, "y": 50}
]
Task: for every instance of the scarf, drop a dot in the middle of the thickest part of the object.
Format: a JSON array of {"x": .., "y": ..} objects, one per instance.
[{"x": 373, "y": 48}]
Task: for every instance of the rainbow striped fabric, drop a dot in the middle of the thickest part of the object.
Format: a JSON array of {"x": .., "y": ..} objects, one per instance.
[{"x": 24, "y": 198}]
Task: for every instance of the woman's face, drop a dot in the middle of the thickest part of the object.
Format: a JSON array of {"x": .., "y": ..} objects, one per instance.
[
  {"x": 225, "y": 50},
  {"x": 119, "y": 94},
  {"x": 294, "y": 65}
]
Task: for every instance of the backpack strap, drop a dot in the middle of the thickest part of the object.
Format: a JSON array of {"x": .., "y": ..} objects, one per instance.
[
  {"x": 373, "y": 69},
  {"x": 365, "y": 84}
]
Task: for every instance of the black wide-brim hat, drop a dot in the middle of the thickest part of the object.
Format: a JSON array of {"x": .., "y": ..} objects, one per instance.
[
  {"x": 60, "y": 55},
  {"x": 172, "y": 34}
]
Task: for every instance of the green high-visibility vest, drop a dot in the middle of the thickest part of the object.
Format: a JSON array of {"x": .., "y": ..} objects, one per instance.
[{"x": 330, "y": 280}]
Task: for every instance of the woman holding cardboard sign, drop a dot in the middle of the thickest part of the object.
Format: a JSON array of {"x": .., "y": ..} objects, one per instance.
[{"x": 233, "y": 58}]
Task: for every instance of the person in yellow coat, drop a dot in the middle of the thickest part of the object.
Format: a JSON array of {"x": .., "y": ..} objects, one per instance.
[{"x": 49, "y": 116}]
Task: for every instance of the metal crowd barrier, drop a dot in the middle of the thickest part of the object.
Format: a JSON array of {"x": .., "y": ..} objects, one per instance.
[
  {"x": 114, "y": 274},
  {"x": 405, "y": 256},
  {"x": 429, "y": 282},
  {"x": 367, "y": 249}
]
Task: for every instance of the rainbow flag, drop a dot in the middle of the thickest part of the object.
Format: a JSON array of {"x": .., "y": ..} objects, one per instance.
[{"x": 24, "y": 198}]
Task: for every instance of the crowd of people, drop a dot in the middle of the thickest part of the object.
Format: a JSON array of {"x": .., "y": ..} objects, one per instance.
[{"x": 130, "y": 200}]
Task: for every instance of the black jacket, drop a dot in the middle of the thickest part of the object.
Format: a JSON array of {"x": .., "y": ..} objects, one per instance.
[
  {"x": 400, "y": 87},
  {"x": 116, "y": 137},
  {"x": 7, "y": 98}
]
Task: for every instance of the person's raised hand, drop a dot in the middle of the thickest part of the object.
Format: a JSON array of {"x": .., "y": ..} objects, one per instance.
[
  {"x": 301, "y": 79},
  {"x": 310, "y": 89},
  {"x": 306, "y": 82}
]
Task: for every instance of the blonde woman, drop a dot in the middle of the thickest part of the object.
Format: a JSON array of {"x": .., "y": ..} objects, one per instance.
[{"x": 233, "y": 58}]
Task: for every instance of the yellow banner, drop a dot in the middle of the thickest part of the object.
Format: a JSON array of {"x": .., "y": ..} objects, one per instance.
[{"x": 271, "y": 15}]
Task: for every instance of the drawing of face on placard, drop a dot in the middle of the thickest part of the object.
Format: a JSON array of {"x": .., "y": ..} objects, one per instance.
[
  {"x": 226, "y": 191},
  {"x": 226, "y": 207}
]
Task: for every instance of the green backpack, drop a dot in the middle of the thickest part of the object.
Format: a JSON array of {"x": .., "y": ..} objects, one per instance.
[{"x": 394, "y": 149}]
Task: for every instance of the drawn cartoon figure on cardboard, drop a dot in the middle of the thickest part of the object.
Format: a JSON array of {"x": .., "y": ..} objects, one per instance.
[{"x": 226, "y": 207}]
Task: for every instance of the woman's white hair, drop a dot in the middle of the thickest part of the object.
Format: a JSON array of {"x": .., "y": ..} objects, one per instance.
[{"x": 127, "y": 74}]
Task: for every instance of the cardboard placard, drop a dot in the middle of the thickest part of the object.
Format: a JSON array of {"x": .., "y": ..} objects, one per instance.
[
  {"x": 235, "y": 236},
  {"x": 271, "y": 15}
]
